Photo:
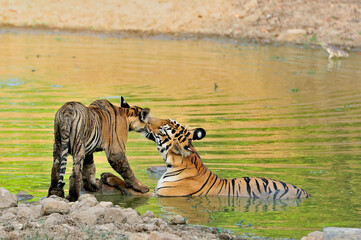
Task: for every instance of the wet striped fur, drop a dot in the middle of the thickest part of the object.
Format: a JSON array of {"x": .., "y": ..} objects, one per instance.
[
  {"x": 186, "y": 175},
  {"x": 81, "y": 131}
]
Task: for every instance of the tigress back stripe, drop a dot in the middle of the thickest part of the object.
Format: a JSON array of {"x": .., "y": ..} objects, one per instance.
[{"x": 210, "y": 174}]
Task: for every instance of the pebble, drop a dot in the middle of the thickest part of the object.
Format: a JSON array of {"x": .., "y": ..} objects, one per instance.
[{"x": 178, "y": 219}]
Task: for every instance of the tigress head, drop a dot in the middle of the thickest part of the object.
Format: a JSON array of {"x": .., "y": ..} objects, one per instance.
[
  {"x": 137, "y": 116},
  {"x": 173, "y": 139}
]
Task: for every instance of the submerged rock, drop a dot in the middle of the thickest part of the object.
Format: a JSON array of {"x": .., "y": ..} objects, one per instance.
[
  {"x": 23, "y": 196},
  {"x": 156, "y": 171},
  {"x": 7, "y": 199}
]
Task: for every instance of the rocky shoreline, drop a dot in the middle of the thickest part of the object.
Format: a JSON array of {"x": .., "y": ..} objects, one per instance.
[{"x": 57, "y": 218}]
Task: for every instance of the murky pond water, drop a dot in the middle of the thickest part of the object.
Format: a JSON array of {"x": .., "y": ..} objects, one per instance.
[{"x": 279, "y": 112}]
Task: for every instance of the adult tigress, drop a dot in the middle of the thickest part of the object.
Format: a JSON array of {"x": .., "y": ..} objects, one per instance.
[
  {"x": 81, "y": 131},
  {"x": 187, "y": 176}
]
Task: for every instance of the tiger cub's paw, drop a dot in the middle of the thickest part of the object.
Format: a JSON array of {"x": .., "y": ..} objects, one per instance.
[
  {"x": 111, "y": 180},
  {"x": 56, "y": 191},
  {"x": 137, "y": 185}
]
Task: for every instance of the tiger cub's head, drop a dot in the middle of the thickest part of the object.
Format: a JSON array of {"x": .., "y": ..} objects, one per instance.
[
  {"x": 138, "y": 117},
  {"x": 171, "y": 137}
]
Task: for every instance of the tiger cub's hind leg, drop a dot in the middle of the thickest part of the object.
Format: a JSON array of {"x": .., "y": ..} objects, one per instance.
[
  {"x": 89, "y": 181},
  {"x": 75, "y": 179},
  {"x": 55, "y": 171}
]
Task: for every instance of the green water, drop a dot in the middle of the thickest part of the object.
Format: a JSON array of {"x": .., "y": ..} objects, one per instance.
[{"x": 278, "y": 112}]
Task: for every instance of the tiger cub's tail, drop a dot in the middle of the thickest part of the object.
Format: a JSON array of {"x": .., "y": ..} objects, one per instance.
[{"x": 65, "y": 143}]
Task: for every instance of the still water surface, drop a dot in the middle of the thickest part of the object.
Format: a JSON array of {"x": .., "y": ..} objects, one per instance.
[{"x": 278, "y": 112}]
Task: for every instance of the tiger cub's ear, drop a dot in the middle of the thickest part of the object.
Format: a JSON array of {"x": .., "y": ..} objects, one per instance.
[
  {"x": 123, "y": 103},
  {"x": 199, "y": 133},
  {"x": 144, "y": 115}
]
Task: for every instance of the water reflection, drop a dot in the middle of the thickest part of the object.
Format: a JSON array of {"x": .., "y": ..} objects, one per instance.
[{"x": 201, "y": 209}]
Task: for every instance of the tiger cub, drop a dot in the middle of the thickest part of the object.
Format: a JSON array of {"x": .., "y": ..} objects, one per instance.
[{"x": 81, "y": 131}]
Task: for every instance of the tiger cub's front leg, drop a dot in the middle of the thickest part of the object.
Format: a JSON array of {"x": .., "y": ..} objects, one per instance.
[
  {"x": 89, "y": 181},
  {"x": 119, "y": 163}
]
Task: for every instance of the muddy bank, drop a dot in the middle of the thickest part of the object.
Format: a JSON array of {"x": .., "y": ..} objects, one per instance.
[{"x": 264, "y": 21}]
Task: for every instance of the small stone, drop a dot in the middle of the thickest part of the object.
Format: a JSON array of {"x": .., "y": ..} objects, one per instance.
[
  {"x": 84, "y": 217},
  {"x": 149, "y": 214},
  {"x": 17, "y": 226},
  {"x": 89, "y": 199},
  {"x": 7, "y": 199},
  {"x": 57, "y": 198},
  {"x": 133, "y": 217},
  {"x": 106, "y": 204},
  {"x": 178, "y": 219},
  {"x": 109, "y": 227},
  {"x": 147, "y": 219},
  {"x": 37, "y": 210},
  {"x": 97, "y": 211},
  {"x": 162, "y": 236},
  {"x": 51, "y": 205},
  {"x": 53, "y": 219},
  {"x": 114, "y": 215},
  {"x": 26, "y": 212},
  {"x": 7, "y": 216}
]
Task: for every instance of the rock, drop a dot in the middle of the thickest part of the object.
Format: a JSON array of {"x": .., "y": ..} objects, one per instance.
[
  {"x": 136, "y": 236},
  {"x": 18, "y": 226},
  {"x": 84, "y": 217},
  {"x": 23, "y": 196},
  {"x": 106, "y": 204},
  {"x": 157, "y": 171},
  {"x": 342, "y": 233},
  {"x": 88, "y": 198},
  {"x": 51, "y": 205},
  {"x": 97, "y": 211},
  {"x": 178, "y": 220},
  {"x": 317, "y": 235},
  {"x": 84, "y": 202},
  {"x": 7, "y": 199},
  {"x": 53, "y": 219},
  {"x": 162, "y": 236},
  {"x": 109, "y": 227},
  {"x": 291, "y": 35},
  {"x": 132, "y": 216},
  {"x": 26, "y": 213},
  {"x": 114, "y": 215},
  {"x": 37, "y": 210},
  {"x": 57, "y": 198},
  {"x": 149, "y": 214},
  {"x": 7, "y": 216}
]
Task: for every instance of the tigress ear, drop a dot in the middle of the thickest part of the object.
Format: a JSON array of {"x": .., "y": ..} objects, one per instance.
[
  {"x": 199, "y": 133},
  {"x": 144, "y": 115},
  {"x": 123, "y": 103}
]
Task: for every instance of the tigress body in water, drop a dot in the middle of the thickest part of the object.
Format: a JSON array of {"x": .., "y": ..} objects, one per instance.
[
  {"x": 81, "y": 131},
  {"x": 186, "y": 175}
]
